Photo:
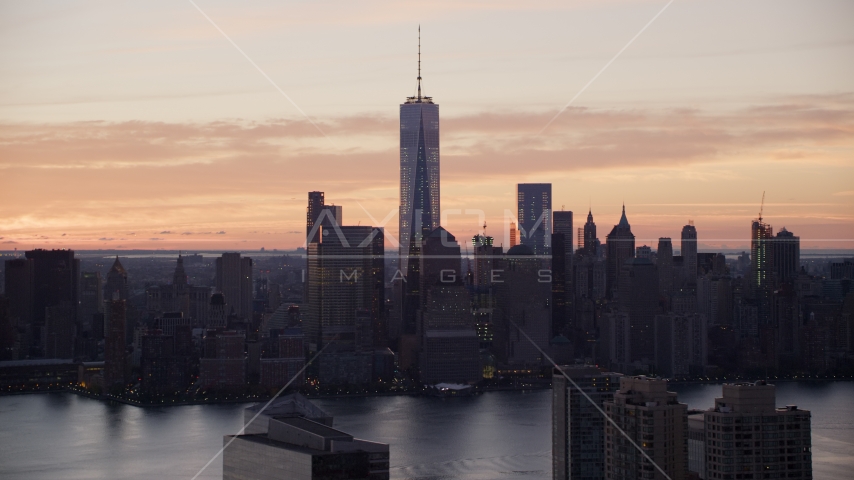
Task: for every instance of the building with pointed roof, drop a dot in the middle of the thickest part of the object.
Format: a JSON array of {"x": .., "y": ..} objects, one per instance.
[
  {"x": 117, "y": 282},
  {"x": 620, "y": 246}
]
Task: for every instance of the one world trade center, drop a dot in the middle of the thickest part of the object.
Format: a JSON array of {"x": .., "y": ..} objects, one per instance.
[{"x": 419, "y": 170}]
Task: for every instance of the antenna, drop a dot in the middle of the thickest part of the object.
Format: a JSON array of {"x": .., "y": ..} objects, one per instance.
[
  {"x": 419, "y": 62},
  {"x": 762, "y": 206},
  {"x": 484, "y": 227}
]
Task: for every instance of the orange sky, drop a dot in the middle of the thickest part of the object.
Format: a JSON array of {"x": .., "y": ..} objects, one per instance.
[{"x": 120, "y": 128}]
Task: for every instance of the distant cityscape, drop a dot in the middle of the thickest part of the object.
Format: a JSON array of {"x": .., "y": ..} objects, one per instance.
[{"x": 604, "y": 324}]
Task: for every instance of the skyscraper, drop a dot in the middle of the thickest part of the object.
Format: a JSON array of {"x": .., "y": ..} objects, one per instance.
[
  {"x": 787, "y": 256},
  {"x": 345, "y": 293},
  {"x": 318, "y": 215},
  {"x": 638, "y": 296},
  {"x": 761, "y": 282},
  {"x": 664, "y": 262},
  {"x": 689, "y": 252},
  {"x": 115, "y": 347},
  {"x": 449, "y": 342},
  {"x": 534, "y": 208},
  {"x": 562, "y": 284},
  {"x": 620, "y": 245},
  {"x": 578, "y": 428},
  {"x": 563, "y": 224},
  {"x": 656, "y": 422},
  {"x": 590, "y": 240},
  {"x": 419, "y": 196},
  {"x": 55, "y": 281},
  {"x": 18, "y": 274},
  {"x": 419, "y": 169},
  {"x": 746, "y": 408},
  {"x": 234, "y": 281},
  {"x": 117, "y": 282}
]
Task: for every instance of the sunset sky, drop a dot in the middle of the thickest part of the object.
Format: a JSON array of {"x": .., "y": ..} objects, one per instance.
[{"x": 139, "y": 125}]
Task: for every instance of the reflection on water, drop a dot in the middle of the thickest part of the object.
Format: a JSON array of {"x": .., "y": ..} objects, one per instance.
[{"x": 495, "y": 435}]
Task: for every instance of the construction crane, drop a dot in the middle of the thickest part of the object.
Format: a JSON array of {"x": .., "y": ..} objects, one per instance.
[{"x": 762, "y": 206}]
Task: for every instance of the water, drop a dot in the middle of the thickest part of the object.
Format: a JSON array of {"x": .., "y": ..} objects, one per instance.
[{"x": 491, "y": 436}]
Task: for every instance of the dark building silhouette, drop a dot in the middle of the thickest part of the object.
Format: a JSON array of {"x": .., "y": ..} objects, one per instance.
[
  {"x": 55, "y": 285},
  {"x": 115, "y": 347},
  {"x": 522, "y": 296},
  {"x": 562, "y": 274},
  {"x": 761, "y": 279},
  {"x": 534, "y": 208},
  {"x": 346, "y": 295},
  {"x": 591, "y": 242},
  {"x": 787, "y": 256},
  {"x": 561, "y": 287},
  {"x": 664, "y": 262},
  {"x": 223, "y": 363},
  {"x": 689, "y": 253},
  {"x": 19, "y": 277},
  {"x": 117, "y": 282},
  {"x": 234, "y": 281},
  {"x": 447, "y": 330},
  {"x": 638, "y": 297},
  {"x": 620, "y": 246}
]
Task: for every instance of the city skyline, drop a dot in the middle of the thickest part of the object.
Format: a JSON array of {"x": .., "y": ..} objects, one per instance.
[{"x": 140, "y": 151}]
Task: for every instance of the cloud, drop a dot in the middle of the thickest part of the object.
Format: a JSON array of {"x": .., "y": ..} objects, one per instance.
[
  {"x": 221, "y": 232},
  {"x": 105, "y": 239},
  {"x": 847, "y": 193},
  {"x": 165, "y": 232},
  {"x": 10, "y": 241},
  {"x": 187, "y": 233},
  {"x": 155, "y": 239}
]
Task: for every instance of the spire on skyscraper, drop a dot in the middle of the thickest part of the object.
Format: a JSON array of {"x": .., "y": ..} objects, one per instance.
[
  {"x": 624, "y": 222},
  {"x": 419, "y": 62}
]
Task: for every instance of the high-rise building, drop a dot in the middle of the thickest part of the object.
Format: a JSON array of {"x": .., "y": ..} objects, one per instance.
[
  {"x": 419, "y": 212},
  {"x": 761, "y": 280},
  {"x": 591, "y": 243},
  {"x": 55, "y": 284},
  {"x": 319, "y": 215},
  {"x": 664, "y": 262},
  {"x": 91, "y": 301},
  {"x": 638, "y": 296},
  {"x": 117, "y": 282},
  {"x": 449, "y": 341},
  {"x": 689, "y": 252},
  {"x": 787, "y": 256},
  {"x": 312, "y": 213},
  {"x": 655, "y": 422},
  {"x": 522, "y": 296},
  {"x": 561, "y": 285},
  {"x": 115, "y": 346},
  {"x": 419, "y": 170},
  {"x": 681, "y": 344},
  {"x": 620, "y": 245},
  {"x": 345, "y": 290},
  {"x": 562, "y": 278},
  {"x": 19, "y": 281},
  {"x": 563, "y": 224},
  {"x": 534, "y": 208},
  {"x": 747, "y": 436},
  {"x": 578, "y": 427},
  {"x": 234, "y": 281}
]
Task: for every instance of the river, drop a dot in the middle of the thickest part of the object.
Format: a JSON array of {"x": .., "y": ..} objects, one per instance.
[{"x": 497, "y": 435}]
